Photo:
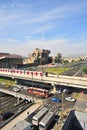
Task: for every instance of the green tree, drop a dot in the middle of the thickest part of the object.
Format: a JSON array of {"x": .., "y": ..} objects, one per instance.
[{"x": 85, "y": 70}]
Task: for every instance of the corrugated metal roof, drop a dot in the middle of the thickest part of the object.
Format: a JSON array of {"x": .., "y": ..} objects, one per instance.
[
  {"x": 13, "y": 56},
  {"x": 22, "y": 125}
]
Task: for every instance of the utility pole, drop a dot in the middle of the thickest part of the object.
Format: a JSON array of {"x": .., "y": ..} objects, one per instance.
[
  {"x": 62, "y": 109},
  {"x": 32, "y": 87}
]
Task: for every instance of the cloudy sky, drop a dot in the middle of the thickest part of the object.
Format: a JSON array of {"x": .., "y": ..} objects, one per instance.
[{"x": 57, "y": 25}]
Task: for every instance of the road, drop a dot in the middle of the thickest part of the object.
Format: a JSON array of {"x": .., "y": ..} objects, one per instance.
[{"x": 79, "y": 82}]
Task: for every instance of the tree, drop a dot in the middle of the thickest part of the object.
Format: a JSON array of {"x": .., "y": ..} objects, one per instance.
[{"x": 85, "y": 70}]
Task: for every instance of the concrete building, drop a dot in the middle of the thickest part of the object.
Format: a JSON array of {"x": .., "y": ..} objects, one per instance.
[
  {"x": 38, "y": 56},
  {"x": 76, "y": 121},
  {"x": 58, "y": 58},
  {"x": 72, "y": 59},
  {"x": 10, "y": 60}
]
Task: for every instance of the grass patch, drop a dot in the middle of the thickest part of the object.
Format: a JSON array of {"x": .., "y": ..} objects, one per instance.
[
  {"x": 56, "y": 70},
  {"x": 7, "y": 81}
]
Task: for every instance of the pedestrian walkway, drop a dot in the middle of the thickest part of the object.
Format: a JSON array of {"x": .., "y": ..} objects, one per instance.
[{"x": 58, "y": 126}]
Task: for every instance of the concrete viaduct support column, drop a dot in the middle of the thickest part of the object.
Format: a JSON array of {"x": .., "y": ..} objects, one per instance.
[
  {"x": 16, "y": 81},
  {"x": 54, "y": 88}
]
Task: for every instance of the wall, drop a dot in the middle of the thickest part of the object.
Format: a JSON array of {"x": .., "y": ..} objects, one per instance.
[{"x": 76, "y": 120}]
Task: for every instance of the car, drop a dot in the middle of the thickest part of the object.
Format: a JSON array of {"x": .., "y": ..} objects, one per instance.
[
  {"x": 3, "y": 83},
  {"x": 20, "y": 109},
  {"x": 70, "y": 99},
  {"x": 55, "y": 100},
  {"x": 6, "y": 115},
  {"x": 67, "y": 91},
  {"x": 59, "y": 91},
  {"x": 59, "y": 107},
  {"x": 18, "y": 86},
  {"x": 64, "y": 90},
  {"x": 16, "y": 89},
  {"x": 27, "y": 100},
  {"x": 25, "y": 87}
]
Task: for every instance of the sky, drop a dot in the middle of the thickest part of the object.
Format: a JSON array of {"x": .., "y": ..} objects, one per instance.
[{"x": 57, "y": 25}]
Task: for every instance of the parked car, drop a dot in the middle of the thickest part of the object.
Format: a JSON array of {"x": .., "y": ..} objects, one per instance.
[
  {"x": 59, "y": 91},
  {"x": 67, "y": 91},
  {"x": 16, "y": 89},
  {"x": 55, "y": 100},
  {"x": 70, "y": 99}
]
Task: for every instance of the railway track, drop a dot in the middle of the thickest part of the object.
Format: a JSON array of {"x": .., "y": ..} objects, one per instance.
[{"x": 19, "y": 107}]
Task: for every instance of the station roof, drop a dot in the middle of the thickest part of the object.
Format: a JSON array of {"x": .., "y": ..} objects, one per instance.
[{"x": 10, "y": 56}]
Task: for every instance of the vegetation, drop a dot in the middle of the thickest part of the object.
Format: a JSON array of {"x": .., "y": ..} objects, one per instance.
[
  {"x": 55, "y": 70},
  {"x": 85, "y": 70},
  {"x": 7, "y": 81}
]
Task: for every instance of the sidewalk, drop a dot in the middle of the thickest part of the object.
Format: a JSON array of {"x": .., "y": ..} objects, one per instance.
[{"x": 58, "y": 126}]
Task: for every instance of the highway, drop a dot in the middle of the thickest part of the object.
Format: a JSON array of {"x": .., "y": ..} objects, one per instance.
[{"x": 71, "y": 81}]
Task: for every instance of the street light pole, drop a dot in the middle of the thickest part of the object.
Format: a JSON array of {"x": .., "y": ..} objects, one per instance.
[
  {"x": 32, "y": 87},
  {"x": 62, "y": 108}
]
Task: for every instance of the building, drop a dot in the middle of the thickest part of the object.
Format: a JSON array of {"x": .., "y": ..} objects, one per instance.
[
  {"x": 76, "y": 121},
  {"x": 58, "y": 58},
  {"x": 38, "y": 56},
  {"x": 10, "y": 60},
  {"x": 73, "y": 59},
  {"x": 23, "y": 125}
]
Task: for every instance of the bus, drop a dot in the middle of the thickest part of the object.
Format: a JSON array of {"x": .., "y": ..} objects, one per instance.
[
  {"x": 38, "y": 117},
  {"x": 38, "y": 92},
  {"x": 46, "y": 121}
]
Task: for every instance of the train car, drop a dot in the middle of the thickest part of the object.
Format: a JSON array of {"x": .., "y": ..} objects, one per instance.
[
  {"x": 37, "y": 118},
  {"x": 46, "y": 121}
]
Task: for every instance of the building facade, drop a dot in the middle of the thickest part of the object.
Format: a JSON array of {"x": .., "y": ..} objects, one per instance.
[
  {"x": 10, "y": 60},
  {"x": 38, "y": 56}
]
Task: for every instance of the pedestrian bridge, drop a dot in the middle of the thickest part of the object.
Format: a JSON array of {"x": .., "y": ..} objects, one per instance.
[{"x": 79, "y": 82}]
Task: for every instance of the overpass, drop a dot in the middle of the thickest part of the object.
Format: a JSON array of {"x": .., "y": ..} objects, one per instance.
[
  {"x": 71, "y": 81},
  {"x": 16, "y": 94}
]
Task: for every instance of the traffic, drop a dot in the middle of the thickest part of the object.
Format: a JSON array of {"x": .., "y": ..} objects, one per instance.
[{"x": 52, "y": 105}]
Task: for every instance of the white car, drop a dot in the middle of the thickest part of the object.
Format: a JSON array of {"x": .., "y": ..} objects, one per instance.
[
  {"x": 59, "y": 91},
  {"x": 19, "y": 86},
  {"x": 70, "y": 99},
  {"x": 3, "y": 83},
  {"x": 25, "y": 87},
  {"x": 64, "y": 90},
  {"x": 16, "y": 89}
]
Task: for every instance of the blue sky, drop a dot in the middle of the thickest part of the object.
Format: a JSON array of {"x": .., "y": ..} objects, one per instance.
[{"x": 57, "y": 25}]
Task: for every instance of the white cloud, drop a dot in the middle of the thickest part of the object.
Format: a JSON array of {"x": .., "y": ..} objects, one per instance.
[
  {"x": 57, "y": 45},
  {"x": 20, "y": 22}
]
